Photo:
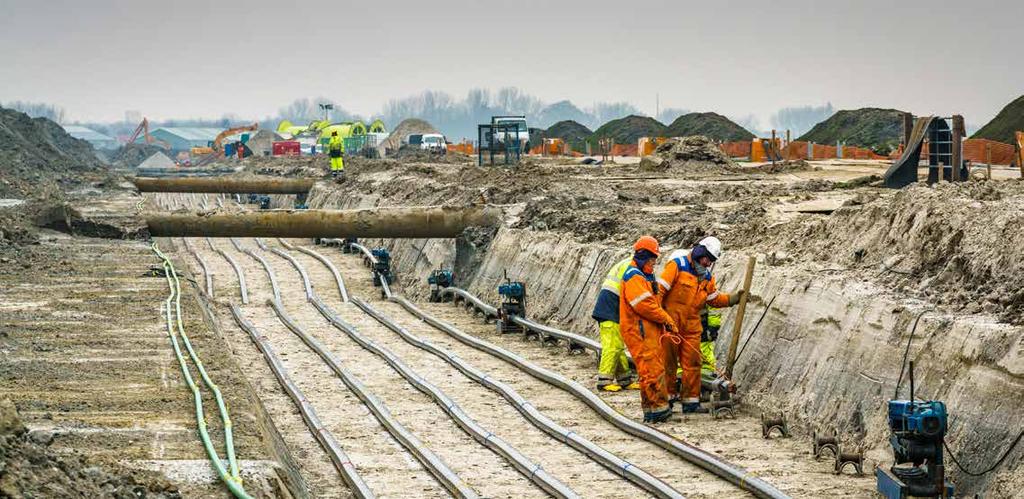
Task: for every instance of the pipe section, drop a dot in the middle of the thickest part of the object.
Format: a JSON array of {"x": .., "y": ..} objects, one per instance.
[
  {"x": 225, "y": 184},
  {"x": 420, "y": 222},
  {"x": 242, "y": 290}
]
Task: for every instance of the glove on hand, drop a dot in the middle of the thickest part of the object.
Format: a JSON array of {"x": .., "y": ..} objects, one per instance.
[{"x": 734, "y": 297}]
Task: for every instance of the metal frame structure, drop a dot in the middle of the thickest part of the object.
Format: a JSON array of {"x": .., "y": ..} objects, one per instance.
[{"x": 510, "y": 148}]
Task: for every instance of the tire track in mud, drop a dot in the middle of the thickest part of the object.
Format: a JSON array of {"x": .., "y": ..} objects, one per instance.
[{"x": 586, "y": 476}]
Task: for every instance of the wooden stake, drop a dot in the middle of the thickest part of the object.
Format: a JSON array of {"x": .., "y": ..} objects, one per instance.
[
  {"x": 988, "y": 161},
  {"x": 741, "y": 308}
]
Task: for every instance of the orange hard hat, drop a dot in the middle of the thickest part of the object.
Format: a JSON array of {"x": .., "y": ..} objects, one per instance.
[{"x": 647, "y": 243}]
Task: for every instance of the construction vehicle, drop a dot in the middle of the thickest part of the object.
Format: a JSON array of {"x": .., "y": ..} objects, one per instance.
[
  {"x": 918, "y": 431},
  {"x": 522, "y": 132},
  {"x": 216, "y": 147},
  {"x": 434, "y": 142},
  {"x": 143, "y": 129},
  {"x": 438, "y": 280},
  {"x": 513, "y": 303},
  {"x": 218, "y": 142}
]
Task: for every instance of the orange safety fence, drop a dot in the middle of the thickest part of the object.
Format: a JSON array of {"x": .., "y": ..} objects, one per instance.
[
  {"x": 465, "y": 148},
  {"x": 624, "y": 150},
  {"x": 739, "y": 149},
  {"x": 978, "y": 150}
]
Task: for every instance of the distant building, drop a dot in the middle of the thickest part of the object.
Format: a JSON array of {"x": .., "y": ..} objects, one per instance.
[
  {"x": 184, "y": 138},
  {"x": 97, "y": 139}
]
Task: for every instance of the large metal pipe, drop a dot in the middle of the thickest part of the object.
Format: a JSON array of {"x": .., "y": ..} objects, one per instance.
[
  {"x": 419, "y": 222},
  {"x": 225, "y": 184}
]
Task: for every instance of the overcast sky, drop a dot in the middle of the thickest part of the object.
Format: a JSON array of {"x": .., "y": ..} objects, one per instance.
[{"x": 186, "y": 59}]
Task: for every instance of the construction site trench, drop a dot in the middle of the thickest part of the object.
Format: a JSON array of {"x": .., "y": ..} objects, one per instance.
[{"x": 334, "y": 386}]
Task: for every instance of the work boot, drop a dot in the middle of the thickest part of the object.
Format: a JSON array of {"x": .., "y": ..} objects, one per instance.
[
  {"x": 672, "y": 401},
  {"x": 611, "y": 387},
  {"x": 694, "y": 408},
  {"x": 633, "y": 386},
  {"x": 661, "y": 416}
]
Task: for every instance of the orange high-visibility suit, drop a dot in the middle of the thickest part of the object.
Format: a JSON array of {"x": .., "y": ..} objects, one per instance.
[
  {"x": 683, "y": 297},
  {"x": 642, "y": 322}
]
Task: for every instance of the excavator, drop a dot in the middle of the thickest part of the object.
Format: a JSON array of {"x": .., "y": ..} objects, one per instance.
[
  {"x": 216, "y": 148},
  {"x": 143, "y": 129}
]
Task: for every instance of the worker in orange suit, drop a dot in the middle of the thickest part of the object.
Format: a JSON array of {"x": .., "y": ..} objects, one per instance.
[
  {"x": 642, "y": 322},
  {"x": 687, "y": 288}
]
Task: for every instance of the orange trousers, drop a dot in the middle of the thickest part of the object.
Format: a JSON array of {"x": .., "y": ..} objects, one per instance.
[
  {"x": 650, "y": 368},
  {"x": 685, "y": 355}
]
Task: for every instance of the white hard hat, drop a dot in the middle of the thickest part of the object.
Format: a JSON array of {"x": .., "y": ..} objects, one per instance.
[{"x": 713, "y": 245}]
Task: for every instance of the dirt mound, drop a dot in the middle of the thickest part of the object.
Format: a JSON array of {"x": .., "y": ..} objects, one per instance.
[
  {"x": 157, "y": 160},
  {"x": 629, "y": 129},
  {"x": 36, "y": 151},
  {"x": 954, "y": 244},
  {"x": 571, "y": 132},
  {"x": 262, "y": 142},
  {"x": 290, "y": 166},
  {"x": 1003, "y": 126},
  {"x": 413, "y": 154},
  {"x": 406, "y": 127},
  {"x": 689, "y": 153},
  {"x": 711, "y": 125},
  {"x": 131, "y": 156},
  {"x": 876, "y": 129},
  {"x": 31, "y": 469},
  {"x": 796, "y": 165}
]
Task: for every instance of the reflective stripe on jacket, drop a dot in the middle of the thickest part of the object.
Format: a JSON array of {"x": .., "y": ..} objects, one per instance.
[
  {"x": 685, "y": 296},
  {"x": 607, "y": 306},
  {"x": 640, "y": 311}
]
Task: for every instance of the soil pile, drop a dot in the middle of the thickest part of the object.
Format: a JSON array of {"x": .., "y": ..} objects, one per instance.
[
  {"x": 157, "y": 160},
  {"x": 628, "y": 130},
  {"x": 35, "y": 151},
  {"x": 407, "y": 127},
  {"x": 876, "y": 129},
  {"x": 571, "y": 132},
  {"x": 413, "y": 154},
  {"x": 954, "y": 244},
  {"x": 31, "y": 469},
  {"x": 689, "y": 153},
  {"x": 1003, "y": 126},
  {"x": 132, "y": 155},
  {"x": 711, "y": 125},
  {"x": 262, "y": 142},
  {"x": 289, "y": 166}
]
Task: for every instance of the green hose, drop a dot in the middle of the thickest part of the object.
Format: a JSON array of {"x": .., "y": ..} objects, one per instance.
[{"x": 232, "y": 480}]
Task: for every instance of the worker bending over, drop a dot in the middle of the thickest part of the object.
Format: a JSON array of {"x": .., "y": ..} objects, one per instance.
[
  {"x": 688, "y": 288},
  {"x": 613, "y": 372},
  {"x": 336, "y": 149},
  {"x": 643, "y": 322}
]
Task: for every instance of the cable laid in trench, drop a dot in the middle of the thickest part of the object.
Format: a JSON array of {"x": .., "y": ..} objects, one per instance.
[
  {"x": 238, "y": 271},
  {"x": 533, "y": 471},
  {"x": 231, "y": 479},
  {"x": 322, "y": 259},
  {"x": 625, "y": 469},
  {"x": 430, "y": 461},
  {"x": 705, "y": 460},
  {"x": 202, "y": 263},
  {"x": 327, "y": 441}
]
